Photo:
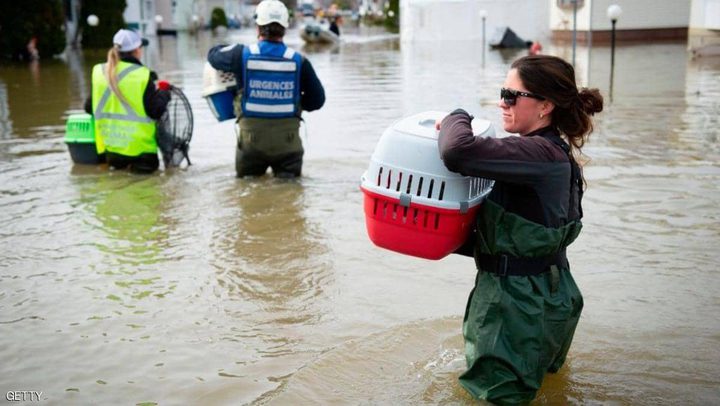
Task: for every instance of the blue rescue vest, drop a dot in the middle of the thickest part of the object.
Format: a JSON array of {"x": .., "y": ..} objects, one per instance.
[{"x": 271, "y": 74}]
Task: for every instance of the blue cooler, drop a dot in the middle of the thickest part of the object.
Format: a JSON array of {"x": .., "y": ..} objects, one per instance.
[{"x": 219, "y": 90}]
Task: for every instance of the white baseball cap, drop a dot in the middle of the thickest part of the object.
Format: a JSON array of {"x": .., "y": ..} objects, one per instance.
[
  {"x": 271, "y": 11},
  {"x": 128, "y": 40}
]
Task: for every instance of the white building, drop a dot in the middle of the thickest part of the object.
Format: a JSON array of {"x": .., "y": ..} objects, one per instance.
[
  {"x": 641, "y": 20},
  {"x": 140, "y": 15},
  {"x": 178, "y": 15},
  {"x": 424, "y": 20},
  {"x": 704, "y": 30}
]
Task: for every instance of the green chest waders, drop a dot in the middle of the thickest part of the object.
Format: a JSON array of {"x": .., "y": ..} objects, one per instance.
[{"x": 521, "y": 315}]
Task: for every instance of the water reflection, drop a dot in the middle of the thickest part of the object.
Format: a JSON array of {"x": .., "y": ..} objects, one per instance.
[
  {"x": 79, "y": 71},
  {"x": 5, "y": 123},
  {"x": 28, "y": 92},
  {"x": 129, "y": 215},
  {"x": 311, "y": 48},
  {"x": 128, "y": 210},
  {"x": 266, "y": 254},
  {"x": 508, "y": 55},
  {"x": 701, "y": 120}
]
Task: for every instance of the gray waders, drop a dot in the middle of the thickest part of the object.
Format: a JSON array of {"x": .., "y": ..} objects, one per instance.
[{"x": 264, "y": 143}]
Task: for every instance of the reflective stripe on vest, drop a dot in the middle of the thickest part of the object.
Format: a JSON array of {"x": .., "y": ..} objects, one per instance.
[
  {"x": 122, "y": 126},
  {"x": 271, "y": 88}
]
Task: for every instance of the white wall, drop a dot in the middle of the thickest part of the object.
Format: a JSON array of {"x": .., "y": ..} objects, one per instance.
[
  {"x": 142, "y": 13},
  {"x": 637, "y": 14},
  {"x": 184, "y": 10},
  {"x": 562, "y": 18},
  {"x": 643, "y": 14},
  {"x": 422, "y": 20},
  {"x": 164, "y": 8},
  {"x": 705, "y": 14},
  {"x": 528, "y": 18},
  {"x": 132, "y": 11}
]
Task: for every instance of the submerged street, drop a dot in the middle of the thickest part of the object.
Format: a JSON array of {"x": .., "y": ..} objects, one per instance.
[{"x": 193, "y": 286}]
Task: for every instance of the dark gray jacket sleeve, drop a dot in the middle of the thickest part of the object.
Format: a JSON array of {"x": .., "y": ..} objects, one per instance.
[
  {"x": 227, "y": 58},
  {"x": 519, "y": 160},
  {"x": 155, "y": 100},
  {"x": 312, "y": 93}
]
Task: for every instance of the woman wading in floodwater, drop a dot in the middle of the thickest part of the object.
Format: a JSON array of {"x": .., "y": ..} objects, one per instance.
[{"x": 522, "y": 313}]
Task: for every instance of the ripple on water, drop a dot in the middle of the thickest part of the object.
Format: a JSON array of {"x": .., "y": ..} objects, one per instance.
[{"x": 195, "y": 287}]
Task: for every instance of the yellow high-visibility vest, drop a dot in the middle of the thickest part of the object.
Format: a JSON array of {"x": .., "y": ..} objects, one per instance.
[{"x": 122, "y": 127}]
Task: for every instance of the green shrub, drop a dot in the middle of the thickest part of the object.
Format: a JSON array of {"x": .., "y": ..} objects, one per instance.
[
  {"x": 218, "y": 18},
  {"x": 392, "y": 20},
  {"x": 20, "y": 21}
]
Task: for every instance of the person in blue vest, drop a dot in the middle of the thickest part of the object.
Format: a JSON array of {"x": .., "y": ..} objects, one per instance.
[
  {"x": 276, "y": 84},
  {"x": 125, "y": 103},
  {"x": 522, "y": 313}
]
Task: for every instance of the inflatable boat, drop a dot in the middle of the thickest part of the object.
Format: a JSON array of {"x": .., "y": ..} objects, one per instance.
[{"x": 315, "y": 33}]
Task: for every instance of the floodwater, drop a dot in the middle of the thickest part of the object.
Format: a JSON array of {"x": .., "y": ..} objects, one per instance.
[{"x": 194, "y": 287}]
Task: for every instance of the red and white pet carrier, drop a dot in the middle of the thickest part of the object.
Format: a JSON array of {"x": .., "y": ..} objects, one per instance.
[{"x": 413, "y": 204}]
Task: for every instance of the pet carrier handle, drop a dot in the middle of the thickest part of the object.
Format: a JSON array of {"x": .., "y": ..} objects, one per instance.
[{"x": 464, "y": 206}]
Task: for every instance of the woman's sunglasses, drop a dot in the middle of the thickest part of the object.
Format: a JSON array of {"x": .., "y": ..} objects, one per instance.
[{"x": 509, "y": 96}]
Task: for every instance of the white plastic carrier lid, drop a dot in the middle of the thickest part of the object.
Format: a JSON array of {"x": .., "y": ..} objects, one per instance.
[
  {"x": 215, "y": 81},
  {"x": 406, "y": 165},
  {"x": 411, "y": 144},
  {"x": 423, "y": 125}
]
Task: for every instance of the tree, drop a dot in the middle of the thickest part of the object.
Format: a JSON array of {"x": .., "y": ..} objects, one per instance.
[
  {"x": 21, "y": 21},
  {"x": 218, "y": 18},
  {"x": 110, "y": 15},
  {"x": 392, "y": 16}
]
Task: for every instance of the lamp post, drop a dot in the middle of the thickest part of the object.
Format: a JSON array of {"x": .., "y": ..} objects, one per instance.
[
  {"x": 483, "y": 16},
  {"x": 613, "y": 13},
  {"x": 158, "y": 23},
  {"x": 195, "y": 20}
]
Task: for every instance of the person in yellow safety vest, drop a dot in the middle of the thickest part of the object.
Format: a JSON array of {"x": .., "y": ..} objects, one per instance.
[{"x": 125, "y": 104}]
